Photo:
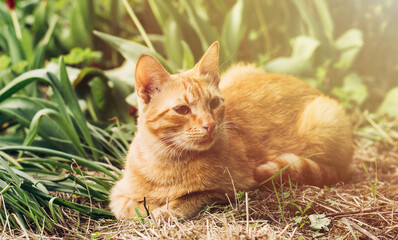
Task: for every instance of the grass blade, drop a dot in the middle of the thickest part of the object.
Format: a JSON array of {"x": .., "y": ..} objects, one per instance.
[
  {"x": 22, "y": 81},
  {"x": 81, "y": 161}
]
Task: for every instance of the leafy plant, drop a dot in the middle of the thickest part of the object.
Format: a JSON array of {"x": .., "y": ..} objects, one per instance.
[
  {"x": 390, "y": 103},
  {"x": 82, "y": 57},
  {"x": 25, "y": 51},
  {"x": 315, "y": 53},
  {"x": 73, "y": 148},
  {"x": 373, "y": 185},
  {"x": 319, "y": 222},
  {"x": 67, "y": 123},
  {"x": 26, "y": 188}
]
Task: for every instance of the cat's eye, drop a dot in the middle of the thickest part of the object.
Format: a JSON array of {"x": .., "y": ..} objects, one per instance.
[
  {"x": 182, "y": 109},
  {"x": 215, "y": 103}
]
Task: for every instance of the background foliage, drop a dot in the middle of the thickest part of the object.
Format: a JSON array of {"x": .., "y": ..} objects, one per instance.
[{"x": 65, "y": 123}]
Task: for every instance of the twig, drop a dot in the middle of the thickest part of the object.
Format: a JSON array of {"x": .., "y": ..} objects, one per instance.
[
  {"x": 20, "y": 225},
  {"x": 359, "y": 229},
  {"x": 154, "y": 220},
  {"x": 208, "y": 229},
  {"x": 328, "y": 208},
  {"x": 247, "y": 212},
  {"x": 154, "y": 233},
  {"x": 391, "y": 228},
  {"x": 233, "y": 185},
  {"x": 352, "y": 212},
  {"x": 292, "y": 234},
  {"x": 139, "y": 234},
  {"x": 380, "y": 130},
  {"x": 283, "y": 231},
  {"x": 360, "y": 213},
  {"x": 6, "y": 215}
]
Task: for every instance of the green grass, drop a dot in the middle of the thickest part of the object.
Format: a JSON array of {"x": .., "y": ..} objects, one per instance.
[{"x": 32, "y": 173}]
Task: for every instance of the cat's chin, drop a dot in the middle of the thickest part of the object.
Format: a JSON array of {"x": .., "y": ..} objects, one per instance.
[
  {"x": 202, "y": 145},
  {"x": 196, "y": 146}
]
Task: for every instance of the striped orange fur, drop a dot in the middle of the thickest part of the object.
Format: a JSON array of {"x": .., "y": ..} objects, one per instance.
[{"x": 201, "y": 137}]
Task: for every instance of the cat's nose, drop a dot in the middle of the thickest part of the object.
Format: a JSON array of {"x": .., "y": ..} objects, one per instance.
[{"x": 209, "y": 127}]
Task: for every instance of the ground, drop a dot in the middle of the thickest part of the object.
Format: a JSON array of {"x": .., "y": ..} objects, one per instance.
[{"x": 365, "y": 207}]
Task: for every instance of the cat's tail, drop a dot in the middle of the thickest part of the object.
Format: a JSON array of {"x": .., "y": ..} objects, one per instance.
[
  {"x": 302, "y": 170},
  {"x": 322, "y": 129}
]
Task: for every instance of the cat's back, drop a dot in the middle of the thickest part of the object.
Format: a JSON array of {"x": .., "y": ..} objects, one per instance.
[
  {"x": 247, "y": 80},
  {"x": 263, "y": 99}
]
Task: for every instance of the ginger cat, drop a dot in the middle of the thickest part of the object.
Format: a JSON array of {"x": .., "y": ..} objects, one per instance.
[{"x": 201, "y": 137}]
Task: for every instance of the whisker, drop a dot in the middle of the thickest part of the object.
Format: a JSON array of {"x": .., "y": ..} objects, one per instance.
[{"x": 226, "y": 60}]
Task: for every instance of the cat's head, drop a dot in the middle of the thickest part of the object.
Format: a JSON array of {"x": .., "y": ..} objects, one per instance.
[{"x": 184, "y": 111}]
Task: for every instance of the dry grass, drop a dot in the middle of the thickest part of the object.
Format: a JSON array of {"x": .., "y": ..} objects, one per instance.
[{"x": 356, "y": 210}]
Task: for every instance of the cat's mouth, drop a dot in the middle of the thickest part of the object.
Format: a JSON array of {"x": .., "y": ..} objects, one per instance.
[
  {"x": 200, "y": 142},
  {"x": 206, "y": 141}
]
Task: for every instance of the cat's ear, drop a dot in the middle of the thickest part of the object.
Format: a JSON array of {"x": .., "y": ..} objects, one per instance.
[
  {"x": 149, "y": 76},
  {"x": 209, "y": 62}
]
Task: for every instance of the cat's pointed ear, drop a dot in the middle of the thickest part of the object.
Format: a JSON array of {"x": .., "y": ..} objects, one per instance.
[
  {"x": 209, "y": 62},
  {"x": 149, "y": 76}
]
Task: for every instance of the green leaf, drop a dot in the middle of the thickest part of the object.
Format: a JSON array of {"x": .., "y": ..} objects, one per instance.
[
  {"x": 27, "y": 43},
  {"x": 99, "y": 90},
  {"x": 349, "y": 43},
  {"x": 105, "y": 94},
  {"x": 306, "y": 16},
  {"x": 5, "y": 14},
  {"x": 9, "y": 170},
  {"x": 294, "y": 66},
  {"x": 53, "y": 210},
  {"x": 15, "y": 48},
  {"x": 22, "y": 81},
  {"x": 233, "y": 29},
  {"x": 86, "y": 210},
  {"x": 80, "y": 31},
  {"x": 159, "y": 10},
  {"x": 352, "y": 91},
  {"x": 172, "y": 43},
  {"x": 165, "y": 12},
  {"x": 71, "y": 101},
  {"x": 38, "y": 59},
  {"x": 389, "y": 106},
  {"x": 326, "y": 19},
  {"x": 188, "y": 59},
  {"x": 40, "y": 20},
  {"x": 45, "y": 175},
  {"x": 82, "y": 56},
  {"x": 22, "y": 110},
  {"x": 304, "y": 47},
  {"x": 131, "y": 50},
  {"x": 39, "y": 53},
  {"x": 202, "y": 27},
  {"x": 352, "y": 38},
  {"x": 101, "y": 167},
  {"x": 68, "y": 129},
  {"x": 4, "y": 61},
  {"x": 26, "y": 176},
  {"x": 319, "y": 222},
  {"x": 347, "y": 58}
]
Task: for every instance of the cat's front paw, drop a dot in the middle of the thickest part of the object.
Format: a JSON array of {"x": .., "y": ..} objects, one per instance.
[
  {"x": 165, "y": 213},
  {"x": 125, "y": 208}
]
